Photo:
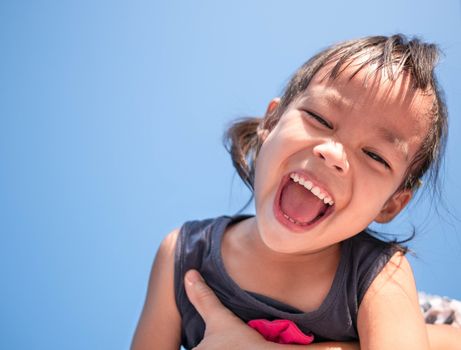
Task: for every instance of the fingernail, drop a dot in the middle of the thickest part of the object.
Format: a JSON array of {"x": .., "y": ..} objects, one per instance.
[{"x": 193, "y": 277}]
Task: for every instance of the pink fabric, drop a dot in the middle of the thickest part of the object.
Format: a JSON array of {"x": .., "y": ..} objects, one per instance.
[{"x": 281, "y": 331}]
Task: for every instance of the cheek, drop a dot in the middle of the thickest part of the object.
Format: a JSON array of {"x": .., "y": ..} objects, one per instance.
[
  {"x": 279, "y": 148},
  {"x": 269, "y": 168},
  {"x": 263, "y": 175},
  {"x": 371, "y": 194},
  {"x": 260, "y": 169}
]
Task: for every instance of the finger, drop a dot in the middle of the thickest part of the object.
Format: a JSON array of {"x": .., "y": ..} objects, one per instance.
[{"x": 203, "y": 298}]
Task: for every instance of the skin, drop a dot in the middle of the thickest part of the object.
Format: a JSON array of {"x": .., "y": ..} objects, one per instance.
[
  {"x": 226, "y": 331},
  {"x": 339, "y": 155},
  {"x": 159, "y": 326},
  {"x": 332, "y": 131}
]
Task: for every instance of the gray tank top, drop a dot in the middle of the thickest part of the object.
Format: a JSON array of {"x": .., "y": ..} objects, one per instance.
[{"x": 199, "y": 247}]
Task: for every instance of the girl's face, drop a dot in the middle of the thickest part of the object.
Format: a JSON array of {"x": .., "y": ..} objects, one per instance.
[{"x": 350, "y": 141}]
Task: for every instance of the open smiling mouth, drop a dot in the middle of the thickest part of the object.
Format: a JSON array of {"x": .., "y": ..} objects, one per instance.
[{"x": 300, "y": 204}]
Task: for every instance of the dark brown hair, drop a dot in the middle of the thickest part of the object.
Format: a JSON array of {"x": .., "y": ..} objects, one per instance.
[{"x": 394, "y": 54}]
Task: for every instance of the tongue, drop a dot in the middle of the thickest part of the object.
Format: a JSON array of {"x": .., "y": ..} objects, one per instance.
[{"x": 299, "y": 203}]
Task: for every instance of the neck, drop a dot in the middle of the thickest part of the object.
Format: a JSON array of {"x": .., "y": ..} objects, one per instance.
[{"x": 252, "y": 238}]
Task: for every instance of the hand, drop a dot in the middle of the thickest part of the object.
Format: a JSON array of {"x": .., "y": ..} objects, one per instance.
[{"x": 223, "y": 329}]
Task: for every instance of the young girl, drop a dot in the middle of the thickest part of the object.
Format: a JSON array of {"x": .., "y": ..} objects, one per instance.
[{"x": 357, "y": 127}]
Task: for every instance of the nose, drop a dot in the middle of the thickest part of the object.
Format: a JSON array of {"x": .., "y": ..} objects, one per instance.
[{"x": 334, "y": 155}]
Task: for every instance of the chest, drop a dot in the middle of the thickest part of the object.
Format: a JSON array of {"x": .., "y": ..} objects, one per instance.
[{"x": 301, "y": 285}]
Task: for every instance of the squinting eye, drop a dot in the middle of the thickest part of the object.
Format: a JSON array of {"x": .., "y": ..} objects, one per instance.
[
  {"x": 319, "y": 119},
  {"x": 377, "y": 158}
]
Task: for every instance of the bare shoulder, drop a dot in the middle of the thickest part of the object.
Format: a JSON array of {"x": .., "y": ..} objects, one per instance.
[
  {"x": 162, "y": 273},
  {"x": 389, "y": 316},
  {"x": 166, "y": 249},
  {"x": 396, "y": 276},
  {"x": 159, "y": 326}
]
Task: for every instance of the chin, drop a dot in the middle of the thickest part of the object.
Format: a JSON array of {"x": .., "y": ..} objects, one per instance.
[{"x": 280, "y": 240}]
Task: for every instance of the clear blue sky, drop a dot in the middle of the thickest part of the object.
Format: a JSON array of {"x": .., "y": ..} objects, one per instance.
[{"x": 111, "y": 116}]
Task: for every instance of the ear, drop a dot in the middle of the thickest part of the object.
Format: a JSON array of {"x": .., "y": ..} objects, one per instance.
[
  {"x": 271, "y": 107},
  {"x": 393, "y": 206}
]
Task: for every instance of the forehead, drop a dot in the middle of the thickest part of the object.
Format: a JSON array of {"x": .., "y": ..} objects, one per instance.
[
  {"x": 362, "y": 84},
  {"x": 391, "y": 106}
]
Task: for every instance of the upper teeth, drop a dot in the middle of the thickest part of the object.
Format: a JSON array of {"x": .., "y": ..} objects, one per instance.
[{"x": 314, "y": 189}]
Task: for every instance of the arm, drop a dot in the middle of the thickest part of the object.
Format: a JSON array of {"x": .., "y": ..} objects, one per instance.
[
  {"x": 226, "y": 331},
  {"x": 444, "y": 337},
  {"x": 389, "y": 316},
  {"x": 159, "y": 326},
  {"x": 441, "y": 337}
]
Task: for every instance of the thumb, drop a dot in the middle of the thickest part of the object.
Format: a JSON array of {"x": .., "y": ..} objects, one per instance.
[{"x": 203, "y": 298}]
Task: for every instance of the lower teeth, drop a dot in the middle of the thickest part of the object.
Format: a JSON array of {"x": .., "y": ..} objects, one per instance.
[
  {"x": 292, "y": 220},
  {"x": 302, "y": 223}
]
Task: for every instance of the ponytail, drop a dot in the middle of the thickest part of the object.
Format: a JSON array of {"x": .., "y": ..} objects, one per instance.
[{"x": 242, "y": 142}]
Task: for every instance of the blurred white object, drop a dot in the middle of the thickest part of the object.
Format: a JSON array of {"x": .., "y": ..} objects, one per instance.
[{"x": 440, "y": 310}]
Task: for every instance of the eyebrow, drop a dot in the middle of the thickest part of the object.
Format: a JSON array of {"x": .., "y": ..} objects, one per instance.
[
  {"x": 393, "y": 138},
  {"x": 334, "y": 98}
]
